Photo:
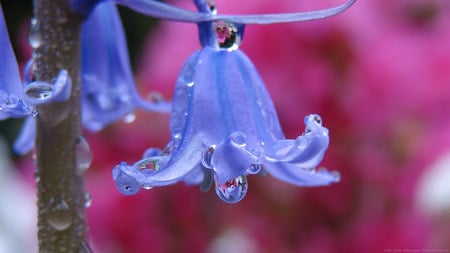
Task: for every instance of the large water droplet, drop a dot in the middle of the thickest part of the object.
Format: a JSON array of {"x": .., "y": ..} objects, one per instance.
[
  {"x": 227, "y": 35},
  {"x": 59, "y": 215},
  {"x": 232, "y": 191},
  {"x": 38, "y": 91},
  {"x": 34, "y": 35},
  {"x": 207, "y": 156},
  {"x": 83, "y": 155}
]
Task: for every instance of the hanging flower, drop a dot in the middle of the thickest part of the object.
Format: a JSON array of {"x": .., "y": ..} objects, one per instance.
[
  {"x": 224, "y": 126},
  {"x": 12, "y": 104},
  {"x": 108, "y": 91}
]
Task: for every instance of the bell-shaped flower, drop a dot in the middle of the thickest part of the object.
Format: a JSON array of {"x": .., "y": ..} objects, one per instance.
[
  {"x": 224, "y": 126},
  {"x": 11, "y": 89},
  {"x": 17, "y": 100},
  {"x": 108, "y": 90}
]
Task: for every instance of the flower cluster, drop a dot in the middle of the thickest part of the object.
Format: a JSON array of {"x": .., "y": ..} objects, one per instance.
[{"x": 223, "y": 122}]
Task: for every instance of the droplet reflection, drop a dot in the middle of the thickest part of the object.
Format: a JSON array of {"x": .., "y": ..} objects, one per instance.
[{"x": 232, "y": 191}]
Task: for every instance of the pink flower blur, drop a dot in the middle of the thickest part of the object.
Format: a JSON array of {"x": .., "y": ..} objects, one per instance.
[{"x": 378, "y": 74}]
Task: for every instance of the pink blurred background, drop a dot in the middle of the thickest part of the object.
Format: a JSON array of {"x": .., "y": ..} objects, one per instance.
[{"x": 378, "y": 74}]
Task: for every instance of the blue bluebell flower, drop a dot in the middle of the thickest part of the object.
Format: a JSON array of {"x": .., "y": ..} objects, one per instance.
[
  {"x": 108, "y": 91},
  {"x": 17, "y": 100},
  {"x": 12, "y": 104},
  {"x": 224, "y": 126}
]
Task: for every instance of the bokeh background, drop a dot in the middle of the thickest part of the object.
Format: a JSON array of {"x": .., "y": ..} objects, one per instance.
[{"x": 378, "y": 74}]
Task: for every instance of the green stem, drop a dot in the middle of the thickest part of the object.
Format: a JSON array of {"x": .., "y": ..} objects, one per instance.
[{"x": 61, "y": 194}]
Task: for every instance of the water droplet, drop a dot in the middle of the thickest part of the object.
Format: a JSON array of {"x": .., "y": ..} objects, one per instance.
[
  {"x": 207, "y": 156},
  {"x": 59, "y": 215},
  {"x": 190, "y": 84},
  {"x": 126, "y": 184},
  {"x": 34, "y": 35},
  {"x": 152, "y": 163},
  {"x": 36, "y": 176},
  {"x": 61, "y": 16},
  {"x": 38, "y": 91},
  {"x": 83, "y": 154},
  {"x": 317, "y": 119},
  {"x": 155, "y": 97},
  {"x": 255, "y": 168},
  {"x": 129, "y": 118},
  {"x": 238, "y": 139},
  {"x": 227, "y": 35},
  {"x": 212, "y": 7},
  {"x": 337, "y": 175},
  {"x": 232, "y": 191},
  {"x": 151, "y": 152},
  {"x": 87, "y": 199}
]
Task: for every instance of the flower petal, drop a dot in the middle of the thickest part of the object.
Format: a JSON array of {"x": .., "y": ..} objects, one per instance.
[
  {"x": 25, "y": 142},
  {"x": 11, "y": 92},
  {"x": 109, "y": 91},
  {"x": 165, "y": 11},
  {"x": 293, "y": 174},
  {"x": 307, "y": 150}
]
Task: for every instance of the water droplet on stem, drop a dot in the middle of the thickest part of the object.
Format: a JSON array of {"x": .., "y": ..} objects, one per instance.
[
  {"x": 83, "y": 155},
  {"x": 59, "y": 215},
  {"x": 34, "y": 35}
]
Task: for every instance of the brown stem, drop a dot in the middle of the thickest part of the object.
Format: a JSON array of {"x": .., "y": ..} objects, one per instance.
[{"x": 61, "y": 194}]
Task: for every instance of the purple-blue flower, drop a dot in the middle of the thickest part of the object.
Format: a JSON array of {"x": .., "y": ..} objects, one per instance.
[
  {"x": 108, "y": 91},
  {"x": 224, "y": 126},
  {"x": 17, "y": 100},
  {"x": 11, "y": 90}
]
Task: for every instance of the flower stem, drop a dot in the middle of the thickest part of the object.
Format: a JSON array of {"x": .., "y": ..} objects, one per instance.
[{"x": 61, "y": 195}]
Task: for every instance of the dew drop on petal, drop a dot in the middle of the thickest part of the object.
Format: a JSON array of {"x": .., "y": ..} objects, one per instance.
[
  {"x": 238, "y": 139},
  {"x": 38, "y": 91},
  {"x": 34, "y": 35},
  {"x": 254, "y": 168},
  {"x": 129, "y": 118},
  {"x": 232, "y": 191},
  {"x": 83, "y": 155},
  {"x": 126, "y": 184},
  {"x": 155, "y": 97},
  {"x": 152, "y": 152},
  {"x": 207, "y": 156},
  {"x": 59, "y": 215},
  {"x": 227, "y": 35},
  {"x": 212, "y": 7},
  {"x": 337, "y": 175}
]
